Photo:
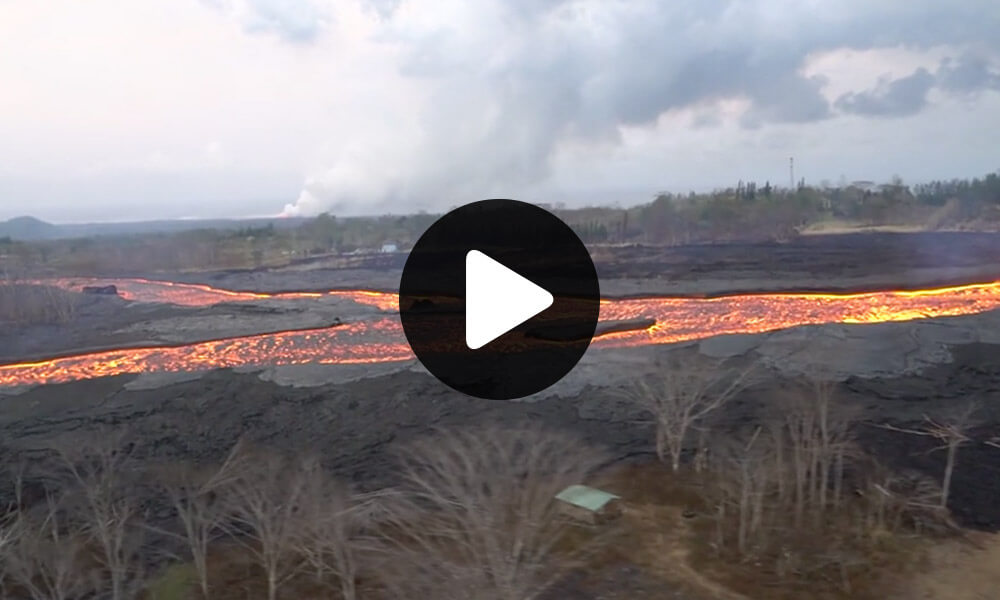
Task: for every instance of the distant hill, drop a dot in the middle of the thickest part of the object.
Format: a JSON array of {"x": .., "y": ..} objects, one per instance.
[{"x": 30, "y": 228}]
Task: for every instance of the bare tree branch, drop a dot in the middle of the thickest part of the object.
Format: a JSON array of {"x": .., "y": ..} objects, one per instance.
[
  {"x": 334, "y": 520},
  {"x": 198, "y": 497},
  {"x": 952, "y": 432},
  {"x": 101, "y": 467},
  {"x": 679, "y": 397},
  {"x": 265, "y": 503},
  {"x": 478, "y": 515},
  {"x": 46, "y": 559}
]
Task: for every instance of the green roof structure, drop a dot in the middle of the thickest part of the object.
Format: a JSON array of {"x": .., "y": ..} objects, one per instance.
[{"x": 586, "y": 497}]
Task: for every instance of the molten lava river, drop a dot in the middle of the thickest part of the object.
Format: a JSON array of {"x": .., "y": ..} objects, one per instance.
[{"x": 381, "y": 339}]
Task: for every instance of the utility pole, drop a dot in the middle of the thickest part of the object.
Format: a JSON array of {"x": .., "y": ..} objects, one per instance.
[{"x": 791, "y": 173}]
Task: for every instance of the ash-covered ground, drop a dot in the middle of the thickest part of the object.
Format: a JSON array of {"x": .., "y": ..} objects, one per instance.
[
  {"x": 849, "y": 262},
  {"x": 895, "y": 372},
  {"x": 834, "y": 263}
]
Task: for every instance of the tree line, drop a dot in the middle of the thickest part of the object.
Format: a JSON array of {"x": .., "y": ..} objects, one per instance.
[
  {"x": 473, "y": 515},
  {"x": 748, "y": 211}
]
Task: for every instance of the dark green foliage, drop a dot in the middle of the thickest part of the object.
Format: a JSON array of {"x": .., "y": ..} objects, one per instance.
[
  {"x": 254, "y": 232},
  {"x": 591, "y": 231},
  {"x": 937, "y": 193},
  {"x": 754, "y": 212}
]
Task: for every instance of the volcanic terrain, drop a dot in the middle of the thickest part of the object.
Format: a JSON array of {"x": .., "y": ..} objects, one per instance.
[{"x": 313, "y": 356}]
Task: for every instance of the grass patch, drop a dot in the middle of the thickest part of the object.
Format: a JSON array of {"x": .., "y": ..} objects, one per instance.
[{"x": 177, "y": 582}]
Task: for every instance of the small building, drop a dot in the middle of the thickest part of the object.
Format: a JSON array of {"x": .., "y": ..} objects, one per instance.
[
  {"x": 389, "y": 248},
  {"x": 866, "y": 186},
  {"x": 588, "y": 504}
]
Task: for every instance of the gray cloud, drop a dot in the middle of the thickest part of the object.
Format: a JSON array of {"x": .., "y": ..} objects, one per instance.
[
  {"x": 292, "y": 20},
  {"x": 295, "y": 20},
  {"x": 383, "y": 8},
  {"x": 565, "y": 70},
  {"x": 651, "y": 57},
  {"x": 969, "y": 73},
  {"x": 895, "y": 98}
]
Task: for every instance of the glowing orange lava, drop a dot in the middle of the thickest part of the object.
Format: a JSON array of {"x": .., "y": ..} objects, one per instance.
[{"x": 381, "y": 339}]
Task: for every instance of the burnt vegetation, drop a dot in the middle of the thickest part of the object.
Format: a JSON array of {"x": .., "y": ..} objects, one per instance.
[
  {"x": 785, "y": 504},
  {"x": 27, "y": 303},
  {"x": 792, "y": 503}
]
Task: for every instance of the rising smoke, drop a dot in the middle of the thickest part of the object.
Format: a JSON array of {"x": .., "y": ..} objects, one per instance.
[{"x": 505, "y": 84}]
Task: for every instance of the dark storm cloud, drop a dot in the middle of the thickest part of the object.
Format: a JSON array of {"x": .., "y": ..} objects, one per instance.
[{"x": 896, "y": 98}]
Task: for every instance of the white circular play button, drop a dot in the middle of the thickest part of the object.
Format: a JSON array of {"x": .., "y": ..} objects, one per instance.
[{"x": 499, "y": 299}]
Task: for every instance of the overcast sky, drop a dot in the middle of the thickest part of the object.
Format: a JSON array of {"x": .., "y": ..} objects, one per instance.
[{"x": 114, "y": 110}]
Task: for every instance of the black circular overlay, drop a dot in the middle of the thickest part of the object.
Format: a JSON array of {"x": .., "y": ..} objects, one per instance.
[{"x": 536, "y": 245}]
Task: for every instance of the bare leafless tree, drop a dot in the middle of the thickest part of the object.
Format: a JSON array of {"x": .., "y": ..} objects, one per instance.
[
  {"x": 682, "y": 394},
  {"x": 745, "y": 474},
  {"x": 101, "y": 469},
  {"x": 11, "y": 517},
  {"x": 10, "y": 533},
  {"x": 829, "y": 433},
  {"x": 477, "y": 515},
  {"x": 952, "y": 432},
  {"x": 891, "y": 498},
  {"x": 47, "y": 559},
  {"x": 198, "y": 497},
  {"x": 334, "y": 521},
  {"x": 266, "y": 506},
  {"x": 814, "y": 439},
  {"x": 792, "y": 465}
]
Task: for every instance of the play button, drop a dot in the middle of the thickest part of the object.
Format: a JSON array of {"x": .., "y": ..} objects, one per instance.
[{"x": 499, "y": 299}]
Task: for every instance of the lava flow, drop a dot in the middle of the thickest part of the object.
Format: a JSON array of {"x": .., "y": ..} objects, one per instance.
[
  {"x": 381, "y": 339},
  {"x": 193, "y": 294}
]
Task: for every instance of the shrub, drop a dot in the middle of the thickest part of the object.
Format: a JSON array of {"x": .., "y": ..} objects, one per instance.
[{"x": 32, "y": 304}]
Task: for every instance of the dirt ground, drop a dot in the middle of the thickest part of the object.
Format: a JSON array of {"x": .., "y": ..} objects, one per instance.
[{"x": 964, "y": 569}]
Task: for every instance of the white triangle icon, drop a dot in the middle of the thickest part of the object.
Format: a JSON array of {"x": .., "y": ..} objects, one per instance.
[{"x": 497, "y": 299}]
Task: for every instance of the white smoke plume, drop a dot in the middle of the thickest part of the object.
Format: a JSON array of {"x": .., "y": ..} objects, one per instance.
[{"x": 501, "y": 85}]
